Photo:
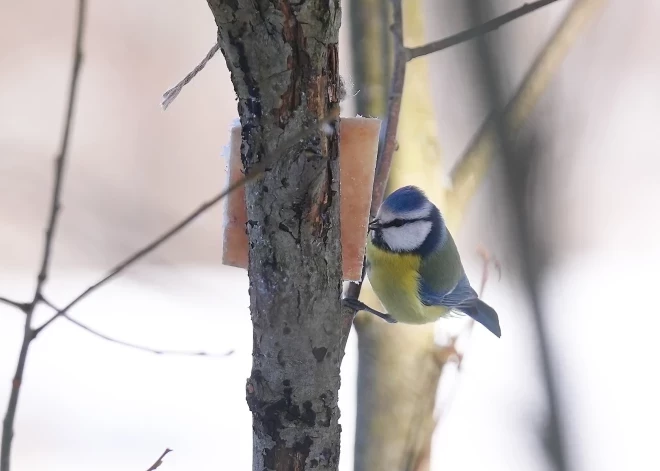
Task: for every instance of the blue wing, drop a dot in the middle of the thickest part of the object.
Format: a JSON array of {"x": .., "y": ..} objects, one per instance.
[
  {"x": 462, "y": 295},
  {"x": 464, "y": 299}
]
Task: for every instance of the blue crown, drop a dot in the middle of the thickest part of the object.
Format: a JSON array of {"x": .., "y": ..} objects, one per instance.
[{"x": 407, "y": 198}]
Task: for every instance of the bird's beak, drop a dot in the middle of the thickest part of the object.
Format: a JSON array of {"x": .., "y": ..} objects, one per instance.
[{"x": 373, "y": 225}]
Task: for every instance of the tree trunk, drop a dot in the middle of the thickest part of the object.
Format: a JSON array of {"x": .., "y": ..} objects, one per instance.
[{"x": 283, "y": 61}]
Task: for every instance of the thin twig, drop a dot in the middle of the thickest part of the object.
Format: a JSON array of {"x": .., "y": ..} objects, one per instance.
[
  {"x": 254, "y": 172},
  {"x": 159, "y": 461},
  {"x": 388, "y": 147},
  {"x": 477, "y": 31},
  {"x": 187, "y": 353},
  {"x": 126, "y": 263},
  {"x": 134, "y": 345},
  {"x": 487, "y": 261},
  {"x": 170, "y": 95},
  {"x": 62, "y": 155},
  {"x": 385, "y": 153},
  {"x": 22, "y": 306},
  {"x": 10, "y": 415},
  {"x": 516, "y": 176}
]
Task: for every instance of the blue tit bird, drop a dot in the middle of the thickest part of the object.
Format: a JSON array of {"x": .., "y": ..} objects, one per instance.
[{"x": 414, "y": 266}]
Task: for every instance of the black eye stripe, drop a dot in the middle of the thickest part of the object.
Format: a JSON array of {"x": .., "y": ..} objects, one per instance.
[
  {"x": 394, "y": 223},
  {"x": 401, "y": 222}
]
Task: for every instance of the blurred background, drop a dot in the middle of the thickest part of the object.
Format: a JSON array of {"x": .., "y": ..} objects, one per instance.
[{"x": 135, "y": 170}]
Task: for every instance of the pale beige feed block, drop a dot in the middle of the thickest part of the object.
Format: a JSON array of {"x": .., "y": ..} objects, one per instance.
[{"x": 358, "y": 147}]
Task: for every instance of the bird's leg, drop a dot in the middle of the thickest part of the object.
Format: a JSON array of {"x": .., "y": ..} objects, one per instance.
[{"x": 360, "y": 306}]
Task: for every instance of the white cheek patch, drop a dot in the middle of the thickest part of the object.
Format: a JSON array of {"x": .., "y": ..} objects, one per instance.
[
  {"x": 408, "y": 237},
  {"x": 385, "y": 215}
]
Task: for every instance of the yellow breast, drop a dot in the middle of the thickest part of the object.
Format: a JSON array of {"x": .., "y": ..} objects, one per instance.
[{"x": 395, "y": 280}]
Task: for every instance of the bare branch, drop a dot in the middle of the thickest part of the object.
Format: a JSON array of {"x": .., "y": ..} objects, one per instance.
[
  {"x": 187, "y": 353},
  {"x": 472, "y": 33},
  {"x": 487, "y": 261},
  {"x": 62, "y": 155},
  {"x": 22, "y": 306},
  {"x": 126, "y": 263},
  {"x": 388, "y": 147},
  {"x": 471, "y": 167},
  {"x": 386, "y": 152},
  {"x": 10, "y": 415},
  {"x": 255, "y": 172},
  {"x": 134, "y": 345},
  {"x": 159, "y": 461},
  {"x": 28, "y": 335},
  {"x": 170, "y": 95}
]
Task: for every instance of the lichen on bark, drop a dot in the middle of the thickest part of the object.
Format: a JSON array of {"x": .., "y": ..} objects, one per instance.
[{"x": 283, "y": 61}]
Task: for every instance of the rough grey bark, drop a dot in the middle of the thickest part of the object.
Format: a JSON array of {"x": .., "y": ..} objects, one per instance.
[{"x": 282, "y": 57}]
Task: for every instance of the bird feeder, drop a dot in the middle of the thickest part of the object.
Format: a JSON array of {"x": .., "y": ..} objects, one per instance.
[{"x": 358, "y": 147}]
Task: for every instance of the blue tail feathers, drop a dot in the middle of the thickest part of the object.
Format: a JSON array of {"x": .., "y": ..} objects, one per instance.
[{"x": 485, "y": 315}]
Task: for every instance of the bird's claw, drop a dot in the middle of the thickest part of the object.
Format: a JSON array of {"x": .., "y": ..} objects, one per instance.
[
  {"x": 354, "y": 304},
  {"x": 358, "y": 305}
]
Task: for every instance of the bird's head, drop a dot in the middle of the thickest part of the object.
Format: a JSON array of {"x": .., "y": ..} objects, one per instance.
[{"x": 407, "y": 222}]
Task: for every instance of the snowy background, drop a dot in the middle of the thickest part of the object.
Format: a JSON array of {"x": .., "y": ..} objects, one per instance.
[{"x": 134, "y": 171}]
